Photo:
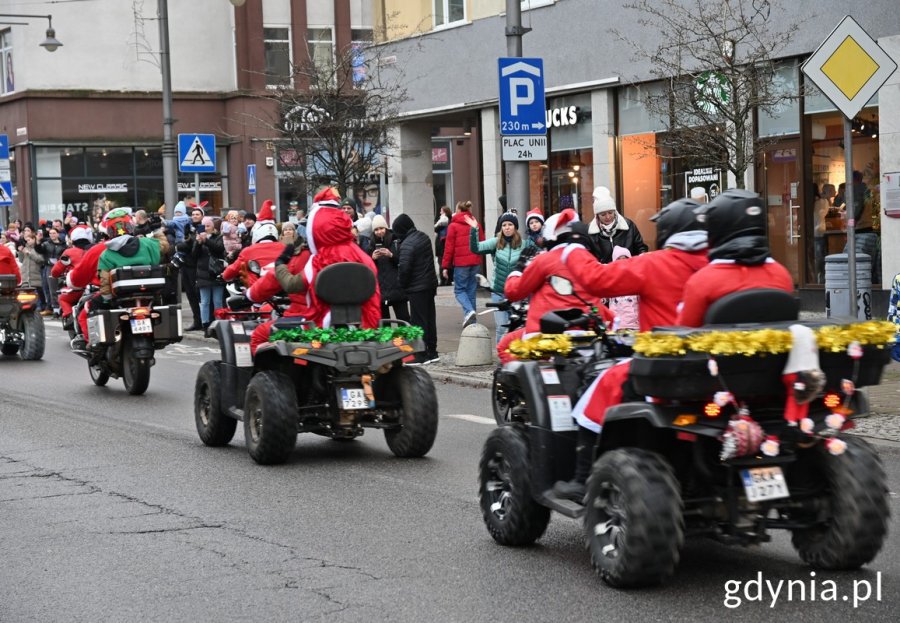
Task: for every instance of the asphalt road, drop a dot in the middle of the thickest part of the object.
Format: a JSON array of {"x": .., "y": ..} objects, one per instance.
[{"x": 112, "y": 510}]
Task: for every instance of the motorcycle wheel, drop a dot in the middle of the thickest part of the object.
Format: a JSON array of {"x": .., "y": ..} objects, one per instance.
[
  {"x": 498, "y": 402},
  {"x": 135, "y": 372},
  {"x": 633, "y": 521},
  {"x": 856, "y": 509},
  {"x": 505, "y": 490},
  {"x": 419, "y": 415},
  {"x": 213, "y": 426},
  {"x": 270, "y": 417},
  {"x": 9, "y": 349},
  {"x": 33, "y": 338},
  {"x": 99, "y": 375}
]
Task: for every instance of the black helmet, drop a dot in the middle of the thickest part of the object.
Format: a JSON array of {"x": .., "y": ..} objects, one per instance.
[
  {"x": 677, "y": 217},
  {"x": 733, "y": 214}
]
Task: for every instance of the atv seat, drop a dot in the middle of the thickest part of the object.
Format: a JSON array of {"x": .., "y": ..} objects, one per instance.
[
  {"x": 345, "y": 286},
  {"x": 752, "y": 306}
]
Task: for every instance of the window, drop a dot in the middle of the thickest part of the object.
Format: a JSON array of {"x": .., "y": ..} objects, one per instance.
[
  {"x": 448, "y": 12},
  {"x": 321, "y": 48},
  {"x": 6, "y": 63},
  {"x": 278, "y": 56},
  {"x": 361, "y": 38}
]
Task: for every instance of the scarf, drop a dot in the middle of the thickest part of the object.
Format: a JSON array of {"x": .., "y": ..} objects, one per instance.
[
  {"x": 688, "y": 241},
  {"x": 745, "y": 250}
]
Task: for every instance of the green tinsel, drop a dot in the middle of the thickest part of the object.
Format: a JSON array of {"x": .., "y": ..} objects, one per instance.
[{"x": 347, "y": 334}]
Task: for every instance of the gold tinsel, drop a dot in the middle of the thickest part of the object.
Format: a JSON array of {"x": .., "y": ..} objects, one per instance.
[
  {"x": 541, "y": 346},
  {"x": 831, "y": 338}
]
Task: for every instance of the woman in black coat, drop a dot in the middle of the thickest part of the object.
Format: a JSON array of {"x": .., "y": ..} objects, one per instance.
[
  {"x": 209, "y": 252},
  {"x": 386, "y": 255}
]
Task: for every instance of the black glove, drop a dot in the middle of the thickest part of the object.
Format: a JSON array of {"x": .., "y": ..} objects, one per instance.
[
  {"x": 286, "y": 255},
  {"x": 525, "y": 258}
]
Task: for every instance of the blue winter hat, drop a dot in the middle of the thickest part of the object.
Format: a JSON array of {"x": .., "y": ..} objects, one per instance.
[{"x": 509, "y": 217}]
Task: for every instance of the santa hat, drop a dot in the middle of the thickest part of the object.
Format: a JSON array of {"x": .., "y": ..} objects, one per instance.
[
  {"x": 535, "y": 213},
  {"x": 603, "y": 201},
  {"x": 327, "y": 197},
  {"x": 266, "y": 214},
  {"x": 559, "y": 224}
]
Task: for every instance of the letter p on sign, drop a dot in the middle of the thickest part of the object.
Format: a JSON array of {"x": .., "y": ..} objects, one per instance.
[{"x": 521, "y": 93}]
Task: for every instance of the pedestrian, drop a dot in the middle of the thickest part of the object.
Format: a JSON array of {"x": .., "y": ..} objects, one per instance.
[
  {"x": 462, "y": 261},
  {"x": 610, "y": 229},
  {"x": 534, "y": 227},
  {"x": 866, "y": 240},
  {"x": 418, "y": 280},
  {"x": 288, "y": 233},
  {"x": 209, "y": 251},
  {"x": 32, "y": 262},
  {"x": 245, "y": 229},
  {"x": 386, "y": 255},
  {"x": 440, "y": 239},
  {"x": 51, "y": 248},
  {"x": 505, "y": 248},
  {"x": 624, "y": 307},
  {"x": 192, "y": 228},
  {"x": 231, "y": 234}
]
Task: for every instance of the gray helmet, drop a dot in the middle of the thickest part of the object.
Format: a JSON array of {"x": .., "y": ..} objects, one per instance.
[{"x": 677, "y": 217}]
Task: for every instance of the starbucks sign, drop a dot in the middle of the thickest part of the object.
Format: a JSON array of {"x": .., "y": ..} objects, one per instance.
[{"x": 713, "y": 91}]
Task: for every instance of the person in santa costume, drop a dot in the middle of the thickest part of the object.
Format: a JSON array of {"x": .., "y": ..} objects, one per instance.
[
  {"x": 534, "y": 280},
  {"x": 264, "y": 249},
  {"x": 82, "y": 239},
  {"x": 739, "y": 256},
  {"x": 658, "y": 278},
  {"x": 8, "y": 264}
]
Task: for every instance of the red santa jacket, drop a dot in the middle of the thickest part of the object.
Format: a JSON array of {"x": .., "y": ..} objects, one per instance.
[
  {"x": 534, "y": 282},
  {"x": 267, "y": 286},
  {"x": 265, "y": 253},
  {"x": 456, "y": 245},
  {"x": 86, "y": 272},
  {"x": 719, "y": 278},
  {"x": 61, "y": 268},
  {"x": 8, "y": 265},
  {"x": 657, "y": 277}
]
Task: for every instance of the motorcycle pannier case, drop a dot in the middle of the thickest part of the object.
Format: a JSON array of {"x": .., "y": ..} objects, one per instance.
[
  {"x": 7, "y": 284},
  {"x": 137, "y": 280},
  {"x": 102, "y": 327},
  {"x": 168, "y": 327}
]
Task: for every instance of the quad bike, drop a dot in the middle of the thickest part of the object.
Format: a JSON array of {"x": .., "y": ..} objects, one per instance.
[
  {"x": 666, "y": 468},
  {"x": 502, "y": 399},
  {"x": 334, "y": 389},
  {"x": 123, "y": 336},
  {"x": 21, "y": 325}
]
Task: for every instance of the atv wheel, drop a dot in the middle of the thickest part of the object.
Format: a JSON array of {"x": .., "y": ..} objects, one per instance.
[
  {"x": 505, "y": 489},
  {"x": 499, "y": 402},
  {"x": 419, "y": 415},
  {"x": 32, "y": 336},
  {"x": 135, "y": 372},
  {"x": 99, "y": 375},
  {"x": 270, "y": 417},
  {"x": 633, "y": 522},
  {"x": 856, "y": 509},
  {"x": 213, "y": 426},
  {"x": 9, "y": 349}
]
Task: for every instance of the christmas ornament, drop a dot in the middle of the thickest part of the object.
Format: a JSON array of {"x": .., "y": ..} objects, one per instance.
[{"x": 771, "y": 446}]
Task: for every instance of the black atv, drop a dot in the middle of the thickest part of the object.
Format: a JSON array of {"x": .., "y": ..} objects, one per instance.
[
  {"x": 21, "y": 324},
  {"x": 502, "y": 398},
  {"x": 334, "y": 389},
  {"x": 660, "y": 470}
]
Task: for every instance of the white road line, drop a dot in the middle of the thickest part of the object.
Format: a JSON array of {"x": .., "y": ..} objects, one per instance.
[{"x": 473, "y": 418}]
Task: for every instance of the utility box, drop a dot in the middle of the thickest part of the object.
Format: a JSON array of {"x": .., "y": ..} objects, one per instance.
[{"x": 837, "y": 286}]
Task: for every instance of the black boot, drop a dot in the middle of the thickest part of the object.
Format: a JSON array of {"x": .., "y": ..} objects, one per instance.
[{"x": 575, "y": 489}]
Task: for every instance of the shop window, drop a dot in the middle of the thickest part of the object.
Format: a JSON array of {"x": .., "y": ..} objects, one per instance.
[
  {"x": 276, "y": 42},
  {"x": 447, "y": 12},
  {"x": 634, "y": 118},
  {"x": 361, "y": 38},
  {"x": 784, "y": 118},
  {"x": 641, "y": 182},
  {"x": 7, "y": 74},
  {"x": 108, "y": 162},
  {"x": 321, "y": 49},
  {"x": 147, "y": 161}
]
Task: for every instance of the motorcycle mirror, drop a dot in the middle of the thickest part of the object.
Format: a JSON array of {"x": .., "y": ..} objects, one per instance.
[
  {"x": 254, "y": 267},
  {"x": 561, "y": 285}
]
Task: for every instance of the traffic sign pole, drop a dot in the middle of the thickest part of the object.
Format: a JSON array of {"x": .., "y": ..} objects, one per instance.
[
  {"x": 517, "y": 187},
  {"x": 197, "y": 188},
  {"x": 851, "y": 214}
]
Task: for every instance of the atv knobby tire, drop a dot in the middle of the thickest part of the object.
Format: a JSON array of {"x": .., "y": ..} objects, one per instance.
[
  {"x": 270, "y": 417},
  {"x": 419, "y": 414},
  {"x": 505, "y": 490},
  {"x": 214, "y": 427},
  {"x": 856, "y": 511},
  {"x": 33, "y": 338},
  {"x": 499, "y": 404},
  {"x": 633, "y": 521}
]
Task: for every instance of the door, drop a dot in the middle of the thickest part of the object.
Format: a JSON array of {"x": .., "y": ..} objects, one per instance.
[{"x": 783, "y": 196}]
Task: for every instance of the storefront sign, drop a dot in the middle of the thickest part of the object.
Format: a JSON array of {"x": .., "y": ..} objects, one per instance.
[
  {"x": 103, "y": 188},
  {"x": 524, "y": 148},
  {"x": 188, "y": 187},
  {"x": 558, "y": 117},
  {"x": 440, "y": 155},
  {"x": 708, "y": 178}
]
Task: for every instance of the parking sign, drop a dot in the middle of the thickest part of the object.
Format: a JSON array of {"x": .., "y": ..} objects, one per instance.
[{"x": 522, "y": 101}]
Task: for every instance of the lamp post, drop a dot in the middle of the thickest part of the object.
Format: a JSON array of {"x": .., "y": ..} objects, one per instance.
[{"x": 51, "y": 43}]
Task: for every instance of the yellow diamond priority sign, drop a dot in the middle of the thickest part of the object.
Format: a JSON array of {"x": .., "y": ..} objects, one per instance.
[{"x": 849, "y": 67}]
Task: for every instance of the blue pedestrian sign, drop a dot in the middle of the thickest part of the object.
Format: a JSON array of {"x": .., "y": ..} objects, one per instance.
[
  {"x": 197, "y": 153},
  {"x": 6, "y": 198},
  {"x": 251, "y": 179},
  {"x": 522, "y": 103}
]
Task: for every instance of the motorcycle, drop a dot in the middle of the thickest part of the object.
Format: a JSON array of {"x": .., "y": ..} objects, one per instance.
[
  {"x": 123, "y": 337},
  {"x": 21, "y": 325}
]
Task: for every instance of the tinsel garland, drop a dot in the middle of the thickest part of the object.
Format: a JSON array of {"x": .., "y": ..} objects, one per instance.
[
  {"x": 347, "y": 334},
  {"x": 541, "y": 346},
  {"x": 831, "y": 338}
]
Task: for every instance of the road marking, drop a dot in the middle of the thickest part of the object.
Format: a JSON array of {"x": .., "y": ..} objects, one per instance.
[{"x": 473, "y": 418}]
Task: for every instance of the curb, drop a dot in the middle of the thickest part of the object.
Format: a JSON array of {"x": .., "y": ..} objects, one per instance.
[{"x": 456, "y": 378}]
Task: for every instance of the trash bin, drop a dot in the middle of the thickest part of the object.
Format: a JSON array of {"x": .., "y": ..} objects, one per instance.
[{"x": 837, "y": 286}]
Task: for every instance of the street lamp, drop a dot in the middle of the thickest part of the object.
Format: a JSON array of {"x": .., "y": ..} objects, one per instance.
[{"x": 51, "y": 43}]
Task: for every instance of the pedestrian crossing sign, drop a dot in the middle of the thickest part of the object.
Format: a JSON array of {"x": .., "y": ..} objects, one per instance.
[{"x": 197, "y": 153}]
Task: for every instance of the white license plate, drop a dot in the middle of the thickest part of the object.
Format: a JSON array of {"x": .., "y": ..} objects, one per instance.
[
  {"x": 353, "y": 398},
  {"x": 141, "y": 325},
  {"x": 764, "y": 483}
]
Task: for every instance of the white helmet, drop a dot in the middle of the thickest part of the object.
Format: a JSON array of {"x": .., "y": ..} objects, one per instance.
[
  {"x": 264, "y": 230},
  {"x": 81, "y": 232}
]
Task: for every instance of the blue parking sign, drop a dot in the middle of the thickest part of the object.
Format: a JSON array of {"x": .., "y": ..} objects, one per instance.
[
  {"x": 522, "y": 100},
  {"x": 197, "y": 153}
]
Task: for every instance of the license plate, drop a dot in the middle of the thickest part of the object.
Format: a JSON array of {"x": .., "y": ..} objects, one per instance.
[
  {"x": 353, "y": 398},
  {"x": 764, "y": 483},
  {"x": 141, "y": 325}
]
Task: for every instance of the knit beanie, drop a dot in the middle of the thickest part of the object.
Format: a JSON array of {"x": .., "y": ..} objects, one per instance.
[
  {"x": 378, "y": 221},
  {"x": 603, "y": 201},
  {"x": 619, "y": 252},
  {"x": 509, "y": 217}
]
